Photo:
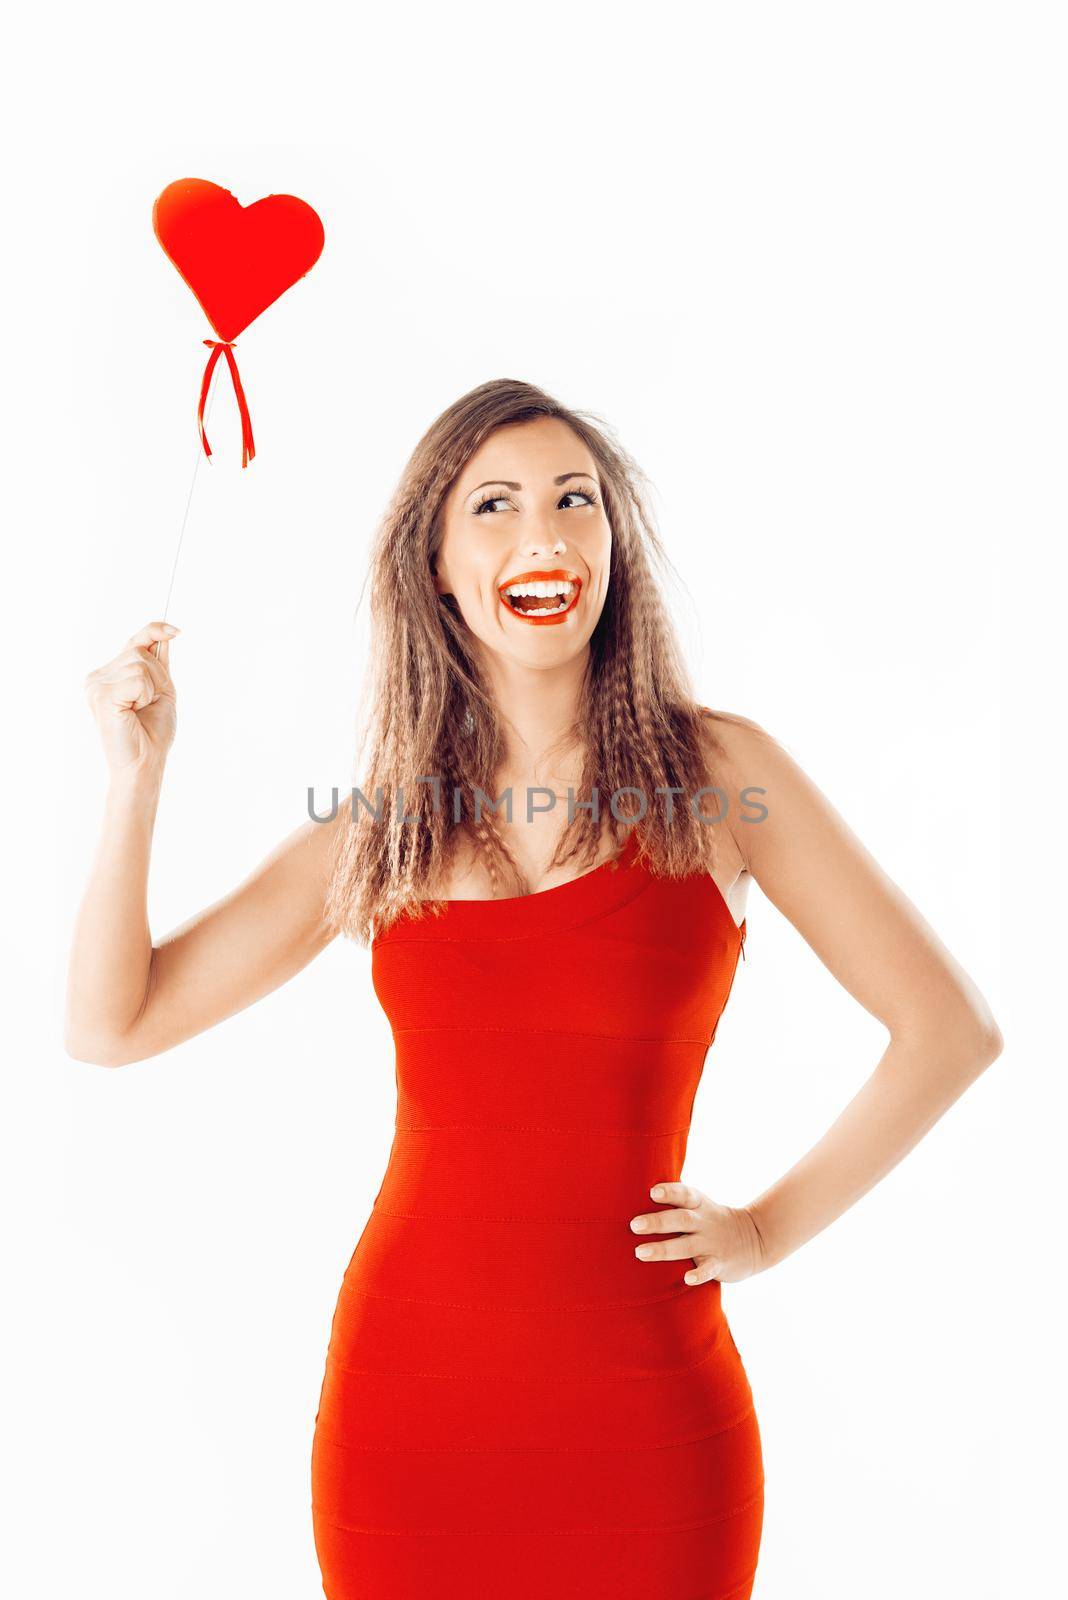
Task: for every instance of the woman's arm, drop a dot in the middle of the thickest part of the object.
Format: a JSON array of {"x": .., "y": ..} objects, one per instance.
[
  {"x": 127, "y": 998},
  {"x": 875, "y": 942}
]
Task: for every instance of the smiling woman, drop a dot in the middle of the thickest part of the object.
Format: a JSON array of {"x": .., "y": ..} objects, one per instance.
[
  {"x": 517, "y": 1399},
  {"x": 541, "y": 595},
  {"x": 545, "y": 516},
  {"x": 519, "y": 541}
]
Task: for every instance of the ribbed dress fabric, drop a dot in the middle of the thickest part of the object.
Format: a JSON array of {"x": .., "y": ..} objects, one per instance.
[{"x": 514, "y": 1405}]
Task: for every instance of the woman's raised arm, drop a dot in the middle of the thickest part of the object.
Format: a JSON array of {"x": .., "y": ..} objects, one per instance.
[{"x": 127, "y": 998}]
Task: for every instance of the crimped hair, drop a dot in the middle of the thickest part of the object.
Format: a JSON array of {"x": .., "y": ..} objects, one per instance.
[{"x": 429, "y": 712}]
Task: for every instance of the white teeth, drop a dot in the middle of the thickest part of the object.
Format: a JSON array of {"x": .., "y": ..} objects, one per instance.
[
  {"x": 546, "y": 589},
  {"x": 542, "y": 591}
]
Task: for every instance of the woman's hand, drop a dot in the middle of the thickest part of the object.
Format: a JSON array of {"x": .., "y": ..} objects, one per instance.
[
  {"x": 134, "y": 703},
  {"x": 722, "y": 1241}
]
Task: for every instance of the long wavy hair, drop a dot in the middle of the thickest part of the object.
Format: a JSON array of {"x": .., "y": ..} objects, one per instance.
[{"x": 427, "y": 710}]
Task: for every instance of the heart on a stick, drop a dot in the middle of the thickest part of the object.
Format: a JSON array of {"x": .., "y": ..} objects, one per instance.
[{"x": 236, "y": 259}]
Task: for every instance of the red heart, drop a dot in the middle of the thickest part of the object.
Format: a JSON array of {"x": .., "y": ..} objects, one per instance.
[{"x": 236, "y": 259}]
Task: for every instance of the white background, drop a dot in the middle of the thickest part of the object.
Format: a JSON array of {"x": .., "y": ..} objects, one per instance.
[{"x": 807, "y": 261}]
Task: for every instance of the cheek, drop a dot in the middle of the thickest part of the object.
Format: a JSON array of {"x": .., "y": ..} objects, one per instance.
[
  {"x": 601, "y": 545},
  {"x": 468, "y": 558},
  {"x": 599, "y": 556},
  {"x": 476, "y": 593}
]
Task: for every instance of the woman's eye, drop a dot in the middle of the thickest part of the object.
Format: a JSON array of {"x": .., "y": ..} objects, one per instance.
[{"x": 499, "y": 499}]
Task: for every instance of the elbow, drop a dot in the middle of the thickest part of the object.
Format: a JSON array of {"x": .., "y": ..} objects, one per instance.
[
  {"x": 92, "y": 1055},
  {"x": 991, "y": 1042},
  {"x": 965, "y": 1040},
  {"x": 978, "y": 1041},
  {"x": 985, "y": 1038},
  {"x": 96, "y": 1052}
]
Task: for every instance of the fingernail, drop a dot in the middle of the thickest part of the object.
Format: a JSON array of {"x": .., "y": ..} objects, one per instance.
[
  {"x": 171, "y": 628},
  {"x": 638, "y": 1224},
  {"x": 657, "y": 1193}
]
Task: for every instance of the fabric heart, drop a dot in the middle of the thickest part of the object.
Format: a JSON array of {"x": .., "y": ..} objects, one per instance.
[{"x": 236, "y": 259}]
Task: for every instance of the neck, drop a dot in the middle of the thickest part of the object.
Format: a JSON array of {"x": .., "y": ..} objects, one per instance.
[{"x": 537, "y": 707}]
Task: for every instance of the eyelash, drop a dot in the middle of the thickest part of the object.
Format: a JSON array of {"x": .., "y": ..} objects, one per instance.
[{"x": 490, "y": 499}]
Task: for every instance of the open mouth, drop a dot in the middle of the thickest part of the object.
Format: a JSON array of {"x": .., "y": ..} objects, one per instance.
[{"x": 541, "y": 596}]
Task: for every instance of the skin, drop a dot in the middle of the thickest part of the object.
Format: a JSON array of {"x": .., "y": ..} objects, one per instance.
[{"x": 129, "y": 998}]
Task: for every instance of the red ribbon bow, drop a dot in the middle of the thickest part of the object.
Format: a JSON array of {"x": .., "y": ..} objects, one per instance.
[{"x": 226, "y": 347}]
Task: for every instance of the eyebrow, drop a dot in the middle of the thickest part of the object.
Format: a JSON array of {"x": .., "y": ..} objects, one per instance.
[{"x": 507, "y": 485}]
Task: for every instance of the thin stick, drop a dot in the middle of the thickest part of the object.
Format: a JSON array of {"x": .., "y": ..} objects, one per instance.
[{"x": 185, "y": 517}]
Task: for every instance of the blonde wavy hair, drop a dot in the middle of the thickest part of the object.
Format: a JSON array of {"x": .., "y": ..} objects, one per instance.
[{"x": 428, "y": 711}]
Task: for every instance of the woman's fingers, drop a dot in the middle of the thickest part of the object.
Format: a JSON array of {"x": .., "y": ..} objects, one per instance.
[
  {"x": 668, "y": 1249},
  {"x": 690, "y": 1216},
  {"x": 156, "y": 667},
  {"x": 133, "y": 675},
  {"x": 666, "y": 1221},
  {"x": 703, "y": 1272},
  {"x": 717, "y": 1239},
  {"x": 133, "y": 699},
  {"x": 151, "y": 632},
  {"x": 685, "y": 1214},
  {"x": 681, "y": 1194},
  {"x": 136, "y": 658}
]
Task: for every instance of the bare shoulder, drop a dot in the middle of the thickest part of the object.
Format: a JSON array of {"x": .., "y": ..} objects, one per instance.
[
  {"x": 738, "y": 737},
  {"x": 747, "y": 761}
]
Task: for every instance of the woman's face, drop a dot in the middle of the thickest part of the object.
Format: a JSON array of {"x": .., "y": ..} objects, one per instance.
[{"x": 524, "y": 517}]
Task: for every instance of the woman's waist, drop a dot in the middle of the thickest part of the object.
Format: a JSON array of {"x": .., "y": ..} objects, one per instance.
[
  {"x": 561, "y": 1301},
  {"x": 482, "y": 1258},
  {"x": 529, "y": 1171}
]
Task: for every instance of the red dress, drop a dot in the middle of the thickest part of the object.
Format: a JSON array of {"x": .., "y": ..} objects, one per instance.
[{"x": 515, "y": 1406}]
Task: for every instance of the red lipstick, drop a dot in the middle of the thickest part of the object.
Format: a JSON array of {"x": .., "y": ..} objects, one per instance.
[{"x": 534, "y": 609}]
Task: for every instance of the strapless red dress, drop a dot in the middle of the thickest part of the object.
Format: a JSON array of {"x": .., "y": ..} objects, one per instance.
[{"x": 515, "y": 1406}]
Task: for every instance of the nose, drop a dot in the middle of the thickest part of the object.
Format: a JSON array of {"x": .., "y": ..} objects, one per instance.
[{"x": 543, "y": 542}]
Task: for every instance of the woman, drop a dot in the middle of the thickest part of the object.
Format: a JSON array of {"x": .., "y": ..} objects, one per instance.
[{"x": 519, "y": 1399}]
